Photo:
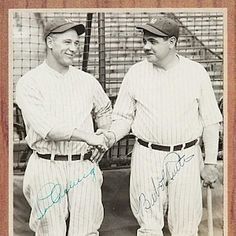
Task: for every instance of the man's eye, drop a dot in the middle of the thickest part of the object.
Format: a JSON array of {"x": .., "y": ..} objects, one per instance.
[
  {"x": 153, "y": 41},
  {"x": 67, "y": 42}
]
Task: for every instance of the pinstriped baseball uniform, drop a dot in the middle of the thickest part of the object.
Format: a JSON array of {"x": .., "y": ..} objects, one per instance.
[
  {"x": 56, "y": 188},
  {"x": 167, "y": 107}
]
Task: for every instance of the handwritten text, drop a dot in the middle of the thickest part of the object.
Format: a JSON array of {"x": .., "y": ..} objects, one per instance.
[
  {"x": 173, "y": 164},
  {"x": 52, "y": 193}
]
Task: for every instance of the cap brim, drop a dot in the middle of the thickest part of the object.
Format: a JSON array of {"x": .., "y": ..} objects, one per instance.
[
  {"x": 78, "y": 27},
  {"x": 152, "y": 30}
]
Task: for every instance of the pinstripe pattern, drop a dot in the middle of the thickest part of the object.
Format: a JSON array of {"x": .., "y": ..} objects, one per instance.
[
  {"x": 49, "y": 99},
  {"x": 150, "y": 190},
  {"x": 83, "y": 201},
  {"x": 168, "y": 107},
  {"x": 166, "y": 103}
]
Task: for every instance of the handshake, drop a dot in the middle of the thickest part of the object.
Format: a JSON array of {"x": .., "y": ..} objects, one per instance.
[{"x": 99, "y": 143}]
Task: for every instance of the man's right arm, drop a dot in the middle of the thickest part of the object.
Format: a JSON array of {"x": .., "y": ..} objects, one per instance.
[
  {"x": 65, "y": 133},
  {"x": 31, "y": 104}
]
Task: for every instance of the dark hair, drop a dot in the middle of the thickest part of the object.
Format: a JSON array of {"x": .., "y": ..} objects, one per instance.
[{"x": 165, "y": 38}]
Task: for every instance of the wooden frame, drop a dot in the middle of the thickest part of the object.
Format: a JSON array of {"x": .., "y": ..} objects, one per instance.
[{"x": 5, "y": 148}]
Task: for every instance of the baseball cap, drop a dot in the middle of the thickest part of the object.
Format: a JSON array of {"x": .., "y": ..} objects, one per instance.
[
  {"x": 161, "y": 26},
  {"x": 60, "y": 25}
]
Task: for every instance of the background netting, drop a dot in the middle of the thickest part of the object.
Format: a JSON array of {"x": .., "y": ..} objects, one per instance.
[{"x": 110, "y": 46}]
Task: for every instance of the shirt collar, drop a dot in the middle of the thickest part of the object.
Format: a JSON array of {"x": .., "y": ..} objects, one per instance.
[{"x": 54, "y": 72}]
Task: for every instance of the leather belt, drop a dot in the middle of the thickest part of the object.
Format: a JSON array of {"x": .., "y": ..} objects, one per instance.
[
  {"x": 167, "y": 148},
  {"x": 65, "y": 157}
]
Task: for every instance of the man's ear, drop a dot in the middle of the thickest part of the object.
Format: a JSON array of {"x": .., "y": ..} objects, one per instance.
[
  {"x": 172, "y": 41},
  {"x": 49, "y": 41}
]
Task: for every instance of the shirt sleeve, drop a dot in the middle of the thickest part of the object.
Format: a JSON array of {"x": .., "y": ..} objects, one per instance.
[
  {"x": 102, "y": 106},
  {"x": 210, "y": 139},
  {"x": 208, "y": 107},
  {"x": 30, "y": 101},
  {"x": 124, "y": 109}
]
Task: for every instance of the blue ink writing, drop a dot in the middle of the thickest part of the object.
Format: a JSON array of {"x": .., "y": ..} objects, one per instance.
[{"x": 52, "y": 193}]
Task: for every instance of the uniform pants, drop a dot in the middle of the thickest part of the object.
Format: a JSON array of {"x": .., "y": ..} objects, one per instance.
[
  {"x": 55, "y": 189},
  {"x": 166, "y": 180}
]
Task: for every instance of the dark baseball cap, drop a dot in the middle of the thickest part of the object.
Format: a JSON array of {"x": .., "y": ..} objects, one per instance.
[
  {"x": 161, "y": 26},
  {"x": 60, "y": 25}
]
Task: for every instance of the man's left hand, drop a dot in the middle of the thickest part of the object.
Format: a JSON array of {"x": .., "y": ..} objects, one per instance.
[
  {"x": 97, "y": 153},
  {"x": 209, "y": 175}
]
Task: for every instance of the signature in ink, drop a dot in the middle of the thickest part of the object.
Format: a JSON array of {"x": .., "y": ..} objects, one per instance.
[
  {"x": 146, "y": 203},
  {"x": 52, "y": 193},
  {"x": 173, "y": 164}
]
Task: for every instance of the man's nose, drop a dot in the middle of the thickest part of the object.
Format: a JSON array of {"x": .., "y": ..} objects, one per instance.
[
  {"x": 73, "y": 47},
  {"x": 147, "y": 46}
]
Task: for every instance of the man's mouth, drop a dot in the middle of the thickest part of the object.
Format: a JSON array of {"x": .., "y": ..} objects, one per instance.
[
  {"x": 148, "y": 53},
  {"x": 69, "y": 55}
]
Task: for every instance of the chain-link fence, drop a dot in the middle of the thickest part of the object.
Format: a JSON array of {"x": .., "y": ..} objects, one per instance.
[{"x": 110, "y": 46}]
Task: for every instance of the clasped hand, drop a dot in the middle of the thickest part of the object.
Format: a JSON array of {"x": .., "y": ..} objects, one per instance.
[{"x": 99, "y": 143}]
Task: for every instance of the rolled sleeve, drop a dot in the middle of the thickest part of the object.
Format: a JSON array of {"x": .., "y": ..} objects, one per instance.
[{"x": 33, "y": 110}]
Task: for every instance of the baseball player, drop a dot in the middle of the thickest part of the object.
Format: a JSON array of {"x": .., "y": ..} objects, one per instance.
[
  {"x": 57, "y": 102},
  {"x": 169, "y": 104}
]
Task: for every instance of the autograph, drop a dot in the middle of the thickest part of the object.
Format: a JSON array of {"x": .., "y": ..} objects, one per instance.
[
  {"x": 178, "y": 163},
  {"x": 146, "y": 203},
  {"x": 52, "y": 193},
  {"x": 173, "y": 164}
]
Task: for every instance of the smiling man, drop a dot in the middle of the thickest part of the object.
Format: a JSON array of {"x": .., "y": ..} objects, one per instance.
[
  {"x": 58, "y": 102},
  {"x": 169, "y": 104}
]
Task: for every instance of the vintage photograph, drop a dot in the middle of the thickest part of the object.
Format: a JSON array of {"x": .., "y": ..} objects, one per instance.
[{"x": 118, "y": 122}]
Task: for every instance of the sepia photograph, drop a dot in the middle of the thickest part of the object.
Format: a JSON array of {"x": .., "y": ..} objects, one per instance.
[{"x": 118, "y": 121}]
